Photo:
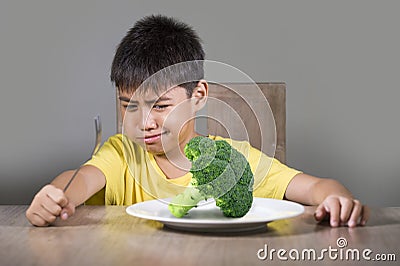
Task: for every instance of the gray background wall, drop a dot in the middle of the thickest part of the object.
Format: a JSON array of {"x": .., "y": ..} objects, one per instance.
[{"x": 340, "y": 59}]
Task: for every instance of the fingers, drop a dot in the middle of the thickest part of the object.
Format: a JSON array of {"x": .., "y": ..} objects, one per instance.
[
  {"x": 47, "y": 205},
  {"x": 67, "y": 211},
  {"x": 57, "y": 195},
  {"x": 51, "y": 206},
  {"x": 333, "y": 207},
  {"x": 35, "y": 219},
  {"x": 46, "y": 216},
  {"x": 355, "y": 214},
  {"x": 342, "y": 210},
  {"x": 320, "y": 213},
  {"x": 346, "y": 206},
  {"x": 365, "y": 215}
]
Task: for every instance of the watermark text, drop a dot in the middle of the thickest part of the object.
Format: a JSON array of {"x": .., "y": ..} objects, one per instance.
[{"x": 339, "y": 252}]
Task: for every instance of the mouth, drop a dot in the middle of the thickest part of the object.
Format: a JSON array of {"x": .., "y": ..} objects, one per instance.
[{"x": 150, "y": 139}]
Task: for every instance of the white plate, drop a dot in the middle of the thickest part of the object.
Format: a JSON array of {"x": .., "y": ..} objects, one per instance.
[{"x": 208, "y": 217}]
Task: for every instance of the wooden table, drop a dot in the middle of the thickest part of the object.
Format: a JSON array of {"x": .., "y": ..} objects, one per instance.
[{"x": 106, "y": 235}]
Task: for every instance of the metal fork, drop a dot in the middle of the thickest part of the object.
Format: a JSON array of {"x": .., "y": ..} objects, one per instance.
[{"x": 97, "y": 125}]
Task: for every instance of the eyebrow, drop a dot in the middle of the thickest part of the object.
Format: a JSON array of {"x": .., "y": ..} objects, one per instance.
[{"x": 161, "y": 98}]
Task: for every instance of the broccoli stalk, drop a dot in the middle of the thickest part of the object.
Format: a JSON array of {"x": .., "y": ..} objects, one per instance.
[
  {"x": 219, "y": 172},
  {"x": 182, "y": 203}
]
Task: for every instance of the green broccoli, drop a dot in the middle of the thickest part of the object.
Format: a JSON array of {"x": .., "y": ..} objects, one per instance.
[{"x": 220, "y": 172}]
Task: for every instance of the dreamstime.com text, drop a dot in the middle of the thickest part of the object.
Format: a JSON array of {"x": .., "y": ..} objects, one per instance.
[{"x": 341, "y": 253}]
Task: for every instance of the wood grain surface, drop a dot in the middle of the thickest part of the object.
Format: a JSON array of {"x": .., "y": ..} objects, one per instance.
[{"x": 106, "y": 235}]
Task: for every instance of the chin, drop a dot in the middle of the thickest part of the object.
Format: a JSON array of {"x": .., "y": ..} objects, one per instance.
[{"x": 155, "y": 151}]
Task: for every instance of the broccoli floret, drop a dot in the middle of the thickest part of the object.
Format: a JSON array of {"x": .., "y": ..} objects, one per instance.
[{"x": 220, "y": 172}]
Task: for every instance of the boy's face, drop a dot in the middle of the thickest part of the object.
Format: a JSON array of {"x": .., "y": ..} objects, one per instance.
[{"x": 160, "y": 123}]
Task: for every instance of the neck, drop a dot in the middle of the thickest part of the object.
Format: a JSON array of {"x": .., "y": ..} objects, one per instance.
[
  {"x": 174, "y": 163},
  {"x": 173, "y": 166}
]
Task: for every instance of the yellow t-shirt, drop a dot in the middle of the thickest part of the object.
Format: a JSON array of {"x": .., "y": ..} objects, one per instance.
[{"x": 132, "y": 174}]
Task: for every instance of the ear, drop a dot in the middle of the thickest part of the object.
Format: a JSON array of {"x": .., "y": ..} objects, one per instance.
[{"x": 200, "y": 94}]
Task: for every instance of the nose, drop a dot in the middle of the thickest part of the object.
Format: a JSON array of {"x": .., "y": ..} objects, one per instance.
[{"x": 148, "y": 121}]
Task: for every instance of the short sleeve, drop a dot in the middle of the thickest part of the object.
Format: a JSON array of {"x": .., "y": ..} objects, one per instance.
[
  {"x": 276, "y": 181},
  {"x": 109, "y": 160}
]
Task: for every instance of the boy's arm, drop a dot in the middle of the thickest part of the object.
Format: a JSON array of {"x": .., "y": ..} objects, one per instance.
[
  {"x": 51, "y": 202},
  {"x": 331, "y": 197},
  {"x": 87, "y": 182}
]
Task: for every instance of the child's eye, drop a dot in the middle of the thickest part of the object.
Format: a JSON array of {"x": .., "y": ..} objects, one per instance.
[
  {"x": 160, "y": 106},
  {"x": 130, "y": 107}
]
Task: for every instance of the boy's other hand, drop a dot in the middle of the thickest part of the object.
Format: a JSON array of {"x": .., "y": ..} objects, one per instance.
[
  {"x": 49, "y": 203},
  {"x": 341, "y": 211}
]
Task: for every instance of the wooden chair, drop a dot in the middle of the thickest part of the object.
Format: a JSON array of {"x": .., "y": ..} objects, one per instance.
[{"x": 248, "y": 106}]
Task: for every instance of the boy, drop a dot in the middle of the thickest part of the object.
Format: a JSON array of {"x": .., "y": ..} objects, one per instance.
[{"x": 147, "y": 162}]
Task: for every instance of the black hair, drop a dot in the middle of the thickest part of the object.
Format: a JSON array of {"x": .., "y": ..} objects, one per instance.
[{"x": 154, "y": 43}]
